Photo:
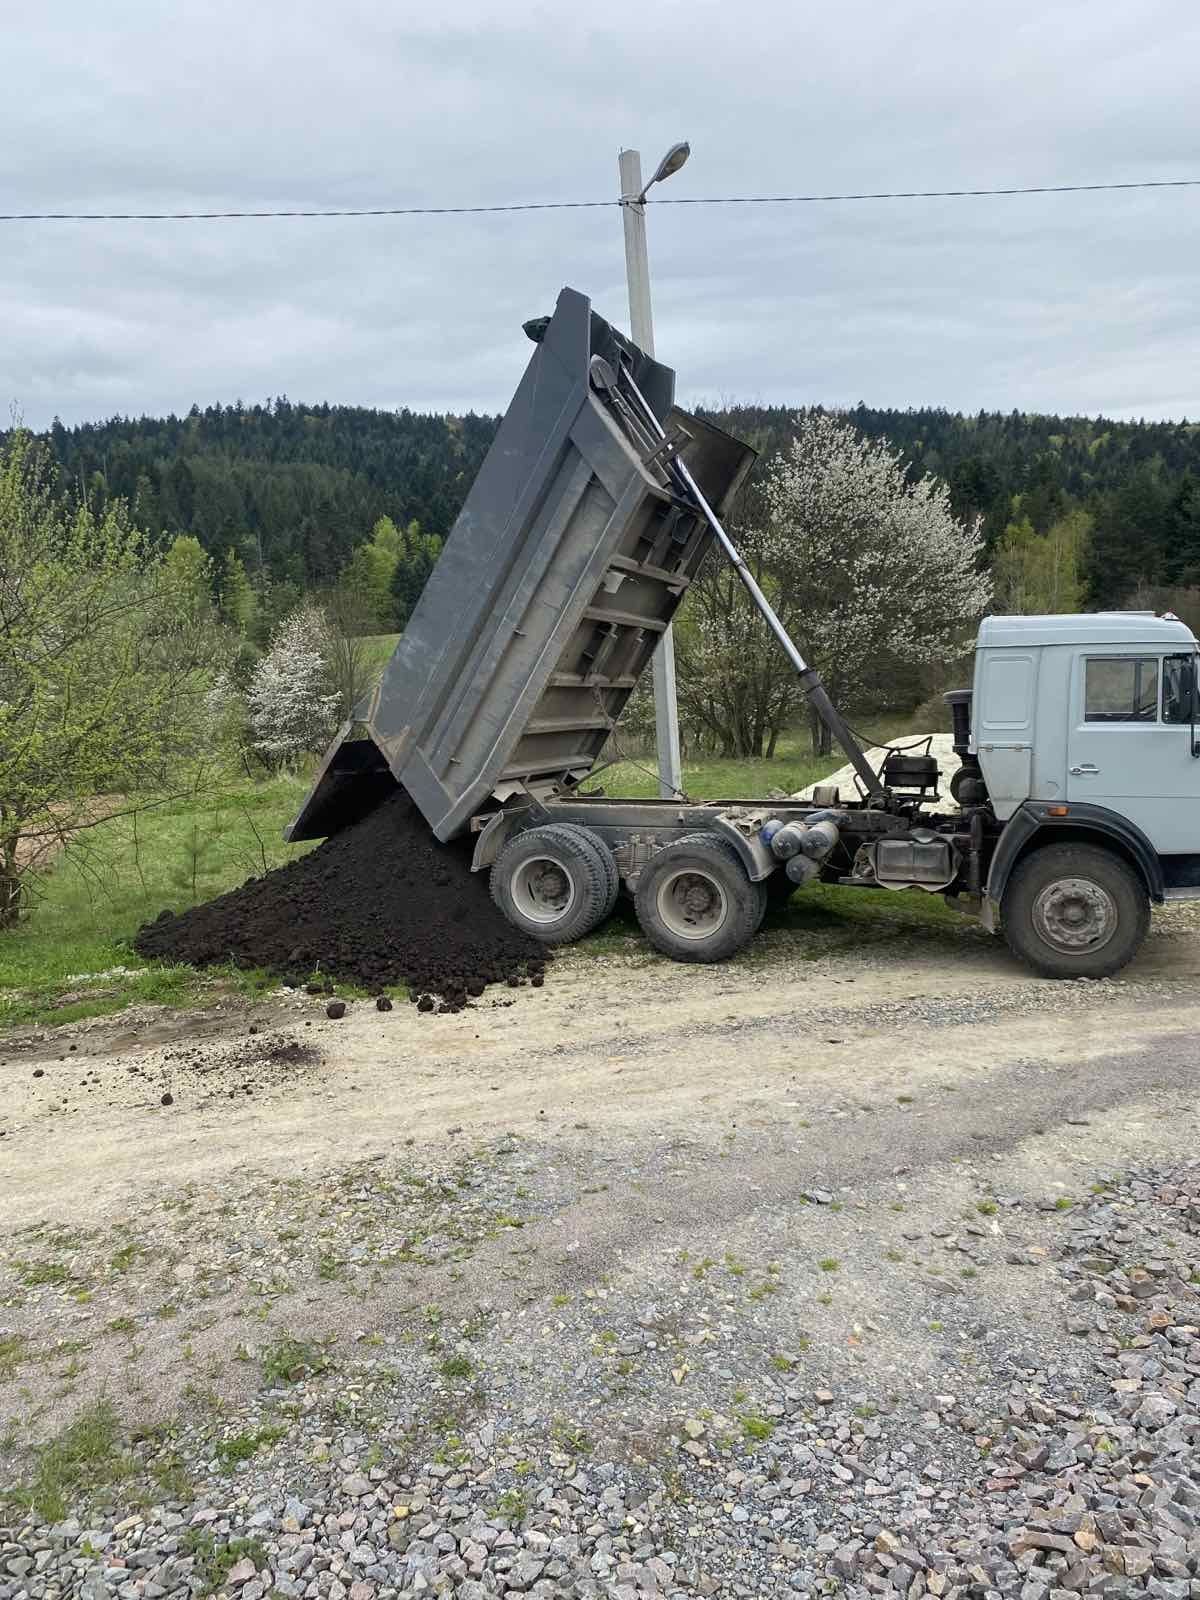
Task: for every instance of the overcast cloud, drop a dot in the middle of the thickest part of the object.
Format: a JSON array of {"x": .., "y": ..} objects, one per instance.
[{"x": 1080, "y": 303}]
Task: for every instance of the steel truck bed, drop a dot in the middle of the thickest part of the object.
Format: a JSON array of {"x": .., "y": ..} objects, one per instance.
[{"x": 570, "y": 556}]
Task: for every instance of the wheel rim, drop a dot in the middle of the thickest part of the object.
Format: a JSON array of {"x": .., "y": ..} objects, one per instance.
[
  {"x": 542, "y": 890},
  {"x": 1075, "y": 915},
  {"x": 692, "y": 904}
]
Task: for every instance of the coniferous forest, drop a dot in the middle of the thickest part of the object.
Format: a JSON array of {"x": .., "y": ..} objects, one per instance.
[{"x": 293, "y": 489}]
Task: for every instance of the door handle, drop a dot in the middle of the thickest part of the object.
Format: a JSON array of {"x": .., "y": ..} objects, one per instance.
[{"x": 1085, "y": 770}]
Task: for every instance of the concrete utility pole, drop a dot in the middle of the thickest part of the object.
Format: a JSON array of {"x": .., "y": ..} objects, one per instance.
[{"x": 641, "y": 327}]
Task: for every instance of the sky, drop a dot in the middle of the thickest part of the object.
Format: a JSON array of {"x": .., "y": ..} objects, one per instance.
[{"x": 1083, "y": 303}]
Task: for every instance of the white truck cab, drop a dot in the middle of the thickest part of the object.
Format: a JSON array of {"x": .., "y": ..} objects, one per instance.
[
  {"x": 1091, "y": 709},
  {"x": 1083, "y": 734}
]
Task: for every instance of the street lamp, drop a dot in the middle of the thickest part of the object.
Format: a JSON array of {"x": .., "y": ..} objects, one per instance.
[
  {"x": 641, "y": 326},
  {"x": 670, "y": 164}
]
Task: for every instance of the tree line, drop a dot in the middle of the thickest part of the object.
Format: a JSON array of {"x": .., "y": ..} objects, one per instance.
[
  {"x": 1133, "y": 486},
  {"x": 294, "y": 490}
]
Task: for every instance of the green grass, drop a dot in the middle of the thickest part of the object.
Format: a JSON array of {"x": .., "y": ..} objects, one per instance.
[
  {"x": 216, "y": 1558},
  {"x": 13, "y": 1349},
  {"x": 35, "y": 1273},
  {"x": 379, "y": 647},
  {"x": 86, "y": 1456},
  {"x": 78, "y": 936},
  {"x": 458, "y": 1366},
  {"x": 287, "y": 1360},
  {"x": 512, "y": 1506},
  {"x": 244, "y": 1446}
]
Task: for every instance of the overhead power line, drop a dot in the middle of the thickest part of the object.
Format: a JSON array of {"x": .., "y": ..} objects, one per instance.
[{"x": 588, "y": 205}]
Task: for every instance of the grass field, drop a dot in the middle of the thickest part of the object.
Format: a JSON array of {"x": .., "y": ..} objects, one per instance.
[
  {"x": 73, "y": 956},
  {"x": 77, "y": 938},
  {"x": 379, "y": 647}
]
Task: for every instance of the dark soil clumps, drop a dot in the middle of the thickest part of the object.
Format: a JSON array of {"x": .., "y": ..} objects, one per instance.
[{"x": 380, "y": 903}]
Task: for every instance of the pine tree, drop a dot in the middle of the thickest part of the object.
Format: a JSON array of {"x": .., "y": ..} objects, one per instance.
[
  {"x": 1181, "y": 563},
  {"x": 187, "y": 571},
  {"x": 369, "y": 574},
  {"x": 417, "y": 561},
  {"x": 236, "y": 599},
  {"x": 1128, "y": 540}
]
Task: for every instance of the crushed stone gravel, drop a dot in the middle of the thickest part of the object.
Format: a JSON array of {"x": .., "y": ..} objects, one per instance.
[{"x": 1040, "y": 1478}]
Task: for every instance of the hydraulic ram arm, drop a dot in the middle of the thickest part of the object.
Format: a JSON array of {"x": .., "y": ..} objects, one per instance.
[{"x": 810, "y": 678}]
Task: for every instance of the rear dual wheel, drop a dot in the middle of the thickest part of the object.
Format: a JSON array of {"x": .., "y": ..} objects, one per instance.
[
  {"x": 556, "y": 883},
  {"x": 694, "y": 901}
]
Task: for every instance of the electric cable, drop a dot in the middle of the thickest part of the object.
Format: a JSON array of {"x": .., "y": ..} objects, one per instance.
[{"x": 587, "y": 205}]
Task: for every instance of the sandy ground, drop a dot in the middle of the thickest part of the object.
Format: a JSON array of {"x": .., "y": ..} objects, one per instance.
[{"x": 630, "y": 1116}]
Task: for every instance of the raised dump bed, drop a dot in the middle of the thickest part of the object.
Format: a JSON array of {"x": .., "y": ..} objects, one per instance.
[{"x": 564, "y": 568}]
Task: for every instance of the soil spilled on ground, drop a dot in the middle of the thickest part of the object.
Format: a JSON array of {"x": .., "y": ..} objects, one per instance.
[{"x": 380, "y": 903}]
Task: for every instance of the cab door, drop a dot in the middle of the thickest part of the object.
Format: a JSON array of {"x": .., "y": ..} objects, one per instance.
[{"x": 1130, "y": 747}]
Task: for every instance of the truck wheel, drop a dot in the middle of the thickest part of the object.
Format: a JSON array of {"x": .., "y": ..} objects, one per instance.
[
  {"x": 606, "y": 856},
  {"x": 552, "y": 884},
  {"x": 694, "y": 901},
  {"x": 1075, "y": 911}
]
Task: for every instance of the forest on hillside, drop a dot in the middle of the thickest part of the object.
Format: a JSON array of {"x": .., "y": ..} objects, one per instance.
[{"x": 293, "y": 490}]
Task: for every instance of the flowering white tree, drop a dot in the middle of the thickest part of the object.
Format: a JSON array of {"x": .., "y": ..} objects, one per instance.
[
  {"x": 293, "y": 704},
  {"x": 864, "y": 568}
]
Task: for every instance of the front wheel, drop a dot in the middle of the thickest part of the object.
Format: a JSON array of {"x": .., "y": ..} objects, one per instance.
[
  {"x": 1075, "y": 911},
  {"x": 694, "y": 901}
]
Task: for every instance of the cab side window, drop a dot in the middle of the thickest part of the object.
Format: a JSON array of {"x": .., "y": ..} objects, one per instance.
[
  {"x": 1121, "y": 689},
  {"x": 1177, "y": 688}
]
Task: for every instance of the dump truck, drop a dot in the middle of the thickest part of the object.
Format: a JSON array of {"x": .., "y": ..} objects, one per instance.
[{"x": 1076, "y": 805}]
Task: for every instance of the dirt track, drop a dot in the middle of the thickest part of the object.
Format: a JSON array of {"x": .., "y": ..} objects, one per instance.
[
  {"x": 819, "y": 1067},
  {"x": 835, "y": 1158},
  {"x": 642, "y": 1049}
]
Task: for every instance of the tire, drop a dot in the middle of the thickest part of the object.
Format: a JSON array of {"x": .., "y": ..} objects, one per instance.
[
  {"x": 694, "y": 901},
  {"x": 1075, "y": 911},
  {"x": 552, "y": 884},
  {"x": 607, "y": 859}
]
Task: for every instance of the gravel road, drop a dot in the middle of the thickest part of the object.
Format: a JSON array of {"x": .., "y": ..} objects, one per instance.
[{"x": 801, "y": 1275}]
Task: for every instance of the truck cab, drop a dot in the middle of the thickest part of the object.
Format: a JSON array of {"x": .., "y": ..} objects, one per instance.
[{"x": 1083, "y": 730}]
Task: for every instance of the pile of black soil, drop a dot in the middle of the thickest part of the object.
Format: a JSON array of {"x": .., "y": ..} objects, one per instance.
[{"x": 381, "y": 902}]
